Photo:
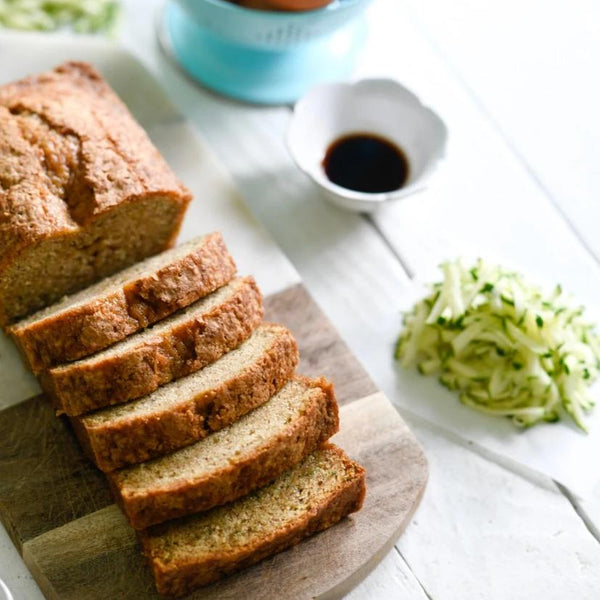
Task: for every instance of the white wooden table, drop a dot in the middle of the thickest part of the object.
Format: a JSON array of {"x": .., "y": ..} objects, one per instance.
[{"x": 517, "y": 84}]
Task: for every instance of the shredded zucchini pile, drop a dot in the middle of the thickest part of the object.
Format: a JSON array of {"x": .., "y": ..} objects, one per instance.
[
  {"x": 508, "y": 349},
  {"x": 84, "y": 16}
]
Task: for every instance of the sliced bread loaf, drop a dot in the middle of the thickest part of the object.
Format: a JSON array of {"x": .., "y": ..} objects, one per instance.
[
  {"x": 174, "y": 347},
  {"x": 118, "y": 306},
  {"x": 232, "y": 462},
  {"x": 193, "y": 551},
  {"x": 188, "y": 409}
]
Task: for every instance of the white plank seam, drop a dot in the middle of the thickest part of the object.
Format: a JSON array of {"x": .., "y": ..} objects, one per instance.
[
  {"x": 511, "y": 465},
  {"x": 429, "y": 596},
  {"x": 403, "y": 263},
  {"x": 505, "y": 462},
  {"x": 581, "y": 513}
]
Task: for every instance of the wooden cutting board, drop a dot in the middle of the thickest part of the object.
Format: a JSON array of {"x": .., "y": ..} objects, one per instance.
[{"x": 58, "y": 511}]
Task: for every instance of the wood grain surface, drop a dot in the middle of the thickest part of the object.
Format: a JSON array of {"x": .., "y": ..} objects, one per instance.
[
  {"x": 45, "y": 480},
  {"x": 58, "y": 511}
]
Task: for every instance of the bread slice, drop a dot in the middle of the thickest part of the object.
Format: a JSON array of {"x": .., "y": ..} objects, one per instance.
[
  {"x": 232, "y": 462},
  {"x": 83, "y": 193},
  {"x": 188, "y": 409},
  {"x": 118, "y": 306},
  {"x": 174, "y": 347},
  {"x": 193, "y": 551}
]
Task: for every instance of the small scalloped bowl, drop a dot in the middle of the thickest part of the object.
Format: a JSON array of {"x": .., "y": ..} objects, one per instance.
[{"x": 377, "y": 106}]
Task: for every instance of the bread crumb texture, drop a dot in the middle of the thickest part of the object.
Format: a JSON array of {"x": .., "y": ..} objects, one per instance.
[
  {"x": 232, "y": 462},
  {"x": 190, "y": 408},
  {"x": 174, "y": 347},
  {"x": 193, "y": 551},
  {"x": 117, "y": 306}
]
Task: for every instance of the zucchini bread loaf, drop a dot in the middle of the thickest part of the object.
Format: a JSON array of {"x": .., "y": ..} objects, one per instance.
[{"x": 83, "y": 191}]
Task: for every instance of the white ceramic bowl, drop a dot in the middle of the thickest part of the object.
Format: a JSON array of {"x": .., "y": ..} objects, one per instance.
[{"x": 377, "y": 106}]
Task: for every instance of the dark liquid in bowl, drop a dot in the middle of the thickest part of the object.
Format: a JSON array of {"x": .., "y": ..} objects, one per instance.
[{"x": 366, "y": 163}]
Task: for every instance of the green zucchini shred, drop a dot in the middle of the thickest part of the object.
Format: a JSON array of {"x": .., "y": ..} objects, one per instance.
[
  {"x": 507, "y": 348},
  {"x": 83, "y": 16}
]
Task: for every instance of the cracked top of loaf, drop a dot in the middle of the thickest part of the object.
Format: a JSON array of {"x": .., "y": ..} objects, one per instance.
[
  {"x": 70, "y": 154},
  {"x": 69, "y": 151}
]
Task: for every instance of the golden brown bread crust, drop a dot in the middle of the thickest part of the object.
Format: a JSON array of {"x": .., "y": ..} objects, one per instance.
[
  {"x": 97, "y": 138},
  {"x": 200, "y": 340},
  {"x": 71, "y": 153},
  {"x": 108, "y": 318},
  {"x": 176, "y": 579},
  {"x": 299, "y": 439},
  {"x": 138, "y": 439}
]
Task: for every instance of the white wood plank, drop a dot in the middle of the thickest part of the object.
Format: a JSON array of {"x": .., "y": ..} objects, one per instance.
[
  {"x": 391, "y": 579},
  {"x": 533, "y": 66},
  {"x": 482, "y": 202},
  {"x": 484, "y": 532},
  {"x": 589, "y": 510},
  {"x": 344, "y": 265},
  {"x": 16, "y": 382}
]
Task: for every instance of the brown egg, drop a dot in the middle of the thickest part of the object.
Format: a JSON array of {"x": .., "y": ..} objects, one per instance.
[{"x": 284, "y": 5}]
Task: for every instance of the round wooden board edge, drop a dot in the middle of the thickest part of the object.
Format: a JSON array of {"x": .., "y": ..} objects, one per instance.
[
  {"x": 331, "y": 563},
  {"x": 383, "y": 403}
]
